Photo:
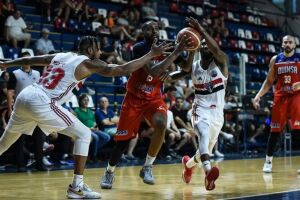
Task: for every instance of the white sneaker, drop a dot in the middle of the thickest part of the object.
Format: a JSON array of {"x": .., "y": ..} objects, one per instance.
[
  {"x": 267, "y": 167},
  {"x": 46, "y": 162},
  {"x": 298, "y": 171},
  {"x": 227, "y": 136},
  {"x": 219, "y": 154},
  {"x": 82, "y": 192}
]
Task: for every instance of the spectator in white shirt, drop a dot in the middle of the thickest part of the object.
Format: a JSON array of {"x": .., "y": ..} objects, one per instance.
[
  {"x": 16, "y": 30},
  {"x": 44, "y": 45}
]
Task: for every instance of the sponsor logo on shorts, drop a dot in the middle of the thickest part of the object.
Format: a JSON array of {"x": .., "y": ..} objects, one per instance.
[
  {"x": 296, "y": 123},
  {"x": 275, "y": 125},
  {"x": 122, "y": 132}
]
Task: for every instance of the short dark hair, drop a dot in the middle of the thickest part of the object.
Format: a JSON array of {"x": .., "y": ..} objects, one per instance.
[
  {"x": 86, "y": 42},
  {"x": 81, "y": 97}
]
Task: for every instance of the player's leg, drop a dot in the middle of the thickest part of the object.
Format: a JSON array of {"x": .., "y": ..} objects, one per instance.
[
  {"x": 52, "y": 117},
  {"x": 216, "y": 122},
  {"x": 127, "y": 129},
  {"x": 82, "y": 137},
  {"x": 20, "y": 122},
  {"x": 187, "y": 162},
  {"x": 115, "y": 156},
  {"x": 278, "y": 121},
  {"x": 156, "y": 113},
  {"x": 295, "y": 116}
]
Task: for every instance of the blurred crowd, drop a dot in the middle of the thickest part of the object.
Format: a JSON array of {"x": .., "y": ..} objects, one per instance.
[{"x": 117, "y": 31}]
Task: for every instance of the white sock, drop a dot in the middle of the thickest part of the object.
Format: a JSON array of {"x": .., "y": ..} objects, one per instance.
[
  {"x": 77, "y": 180},
  {"x": 269, "y": 158},
  {"x": 192, "y": 162},
  {"x": 110, "y": 168},
  {"x": 206, "y": 165},
  {"x": 149, "y": 160}
]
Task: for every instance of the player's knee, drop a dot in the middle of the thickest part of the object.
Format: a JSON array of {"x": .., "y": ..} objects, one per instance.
[{"x": 160, "y": 123}]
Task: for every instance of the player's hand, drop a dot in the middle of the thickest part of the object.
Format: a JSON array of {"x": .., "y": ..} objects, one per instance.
[
  {"x": 183, "y": 43},
  {"x": 255, "y": 102},
  {"x": 158, "y": 49},
  {"x": 165, "y": 77},
  {"x": 296, "y": 86},
  {"x": 192, "y": 22}
]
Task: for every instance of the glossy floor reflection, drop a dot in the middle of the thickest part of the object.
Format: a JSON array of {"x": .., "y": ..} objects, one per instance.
[{"x": 239, "y": 179}]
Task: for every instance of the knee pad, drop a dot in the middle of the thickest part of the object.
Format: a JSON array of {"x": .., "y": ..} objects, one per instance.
[{"x": 82, "y": 136}]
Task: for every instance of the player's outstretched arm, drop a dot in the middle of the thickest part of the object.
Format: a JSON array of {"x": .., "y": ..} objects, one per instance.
[
  {"x": 173, "y": 76},
  {"x": 267, "y": 84},
  {"x": 218, "y": 54},
  {"x": 157, "y": 69},
  {"x": 104, "y": 69},
  {"x": 34, "y": 60}
]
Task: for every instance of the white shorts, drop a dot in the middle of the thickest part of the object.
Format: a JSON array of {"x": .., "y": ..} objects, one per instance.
[
  {"x": 20, "y": 36},
  {"x": 34, "y": 108},
  {"x": 214, "y": 117}
]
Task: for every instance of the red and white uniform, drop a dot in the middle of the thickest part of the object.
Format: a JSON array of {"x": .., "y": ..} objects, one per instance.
[
  {"x": 209, "y": 99},
  {"x": 40, "y": 103}
]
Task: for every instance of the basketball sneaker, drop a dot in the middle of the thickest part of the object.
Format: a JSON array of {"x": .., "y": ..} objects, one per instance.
[
  {"x": 187, "y": 172},
  {"x": 107, "y": 180},
  {"x": 211, "y": 177},
  {"x": 146, "y": 175},
  {"x": 267, "y": 167},
  {"x": 82, "y": 192}
]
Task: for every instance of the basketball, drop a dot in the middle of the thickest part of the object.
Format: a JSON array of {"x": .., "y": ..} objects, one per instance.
[{"x": 194, "y": 37}]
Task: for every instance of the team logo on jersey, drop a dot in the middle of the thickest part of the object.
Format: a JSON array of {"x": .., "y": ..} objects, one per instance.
[
  {"x": 213, "y": 73},
  {"x": 209, "y": 86}
]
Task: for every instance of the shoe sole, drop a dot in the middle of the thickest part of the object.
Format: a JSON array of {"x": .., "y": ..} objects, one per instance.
[
  {"x": 147, "y": 182},
  {"x": 106, "y": 187},
  {"x": 76, "y": 196},
  {"x": 182, "y": 176},
  {"x": 211, "y": 178},
  {"x": 267, "y": 171}
]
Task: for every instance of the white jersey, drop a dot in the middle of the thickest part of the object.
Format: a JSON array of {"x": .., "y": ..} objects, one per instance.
[
  {"x": 59, "y": 79},
  {"x": 24, "y": 79},
  {"x": 209, "y": 85}
]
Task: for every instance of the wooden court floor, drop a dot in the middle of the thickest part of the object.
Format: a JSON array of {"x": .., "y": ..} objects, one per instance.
[{"x": 238, "y": 178}]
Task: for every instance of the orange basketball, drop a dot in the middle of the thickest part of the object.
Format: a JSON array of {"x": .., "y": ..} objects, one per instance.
[{"x": 193, "y": 34}]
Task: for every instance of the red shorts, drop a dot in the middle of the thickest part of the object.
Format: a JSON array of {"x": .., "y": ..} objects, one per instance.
[
  {"x": 284, "y": 108},
  {"x": 132, "y": 111}
]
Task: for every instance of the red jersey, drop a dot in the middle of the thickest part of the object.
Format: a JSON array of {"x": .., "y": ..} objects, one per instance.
[
  {"x": 144, "y": 86},
  {"x": 287, "y": 70}
]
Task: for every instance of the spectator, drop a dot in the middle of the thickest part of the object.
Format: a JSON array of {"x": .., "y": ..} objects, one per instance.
[
  {"x": 16, "y": 30},
  {"x": 105, "y": 117},
  {"x": 170, "y": 93},
  {"x": 183, "y": 123},
  {"x": 45, "y": 8},
  {"x": 87, "y": 117},
  {"x": 18, "y": 80},
  {"x": 44, "y": 45}
]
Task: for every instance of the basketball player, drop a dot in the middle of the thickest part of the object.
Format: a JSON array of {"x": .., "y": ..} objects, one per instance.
[
  {"x": 285, "y": 69},
  {"x": 40, "y": 103},
  {"x": 143, "y": 100},
  {"x": 209, "y": 75}
]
